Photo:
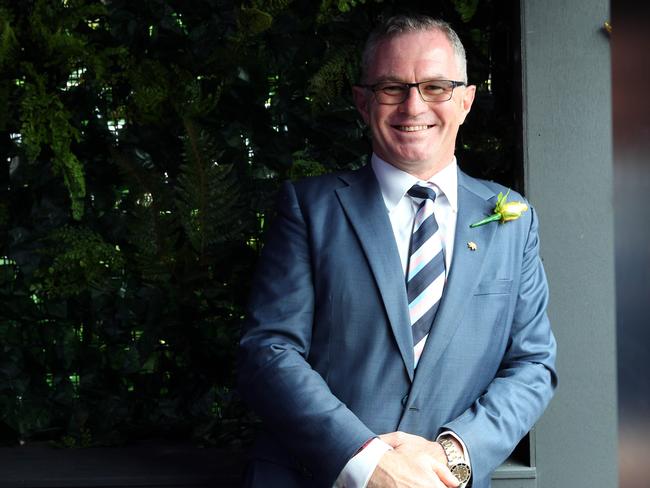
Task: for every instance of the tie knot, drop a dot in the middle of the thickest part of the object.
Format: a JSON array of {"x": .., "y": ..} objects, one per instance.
[{"x": 423, "y": 192}]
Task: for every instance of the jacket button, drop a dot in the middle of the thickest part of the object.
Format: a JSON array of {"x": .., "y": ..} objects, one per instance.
[{"x": 404, "y": 400}]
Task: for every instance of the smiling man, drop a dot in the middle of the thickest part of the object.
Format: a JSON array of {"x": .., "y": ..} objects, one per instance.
[
  {"x": 388, "y": 343},
  {"x": 416, "y": 134}
]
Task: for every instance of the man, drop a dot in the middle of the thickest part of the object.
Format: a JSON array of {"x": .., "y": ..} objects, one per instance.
[{"x": 388, "y": 343}]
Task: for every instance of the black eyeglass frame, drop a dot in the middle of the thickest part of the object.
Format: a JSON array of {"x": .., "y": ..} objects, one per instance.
[{"x": 375, "y": 88}]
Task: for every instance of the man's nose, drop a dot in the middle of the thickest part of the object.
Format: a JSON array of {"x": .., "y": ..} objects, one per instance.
[{"x": 414, "y": 103}]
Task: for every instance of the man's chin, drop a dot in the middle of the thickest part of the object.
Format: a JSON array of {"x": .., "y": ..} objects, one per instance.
[
  {"x": 417, "y": 153},
  {"x": 420, "y": 168}
]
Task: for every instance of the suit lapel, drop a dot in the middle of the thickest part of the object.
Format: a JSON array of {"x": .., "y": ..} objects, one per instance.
[
  {"x": 475, "y": 201},
  {"x": 365, "y": 208}
]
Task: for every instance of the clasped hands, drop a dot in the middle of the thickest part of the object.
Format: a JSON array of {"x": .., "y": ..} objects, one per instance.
[{"x": 413, "y": 462}]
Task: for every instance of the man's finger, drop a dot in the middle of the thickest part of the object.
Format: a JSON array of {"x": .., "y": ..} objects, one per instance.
[{"x": 445, "y": 475}]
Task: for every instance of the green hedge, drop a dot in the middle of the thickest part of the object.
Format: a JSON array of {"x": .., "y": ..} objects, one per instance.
[{"x": 142, "y": 143}]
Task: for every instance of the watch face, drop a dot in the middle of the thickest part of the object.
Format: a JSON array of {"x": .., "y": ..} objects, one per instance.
[{"x": 461, "y": 471}]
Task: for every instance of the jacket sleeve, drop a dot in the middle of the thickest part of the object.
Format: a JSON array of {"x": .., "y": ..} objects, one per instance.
[
  {"x": 524, "y": 384},
  {"x": 275, "y": 377}
]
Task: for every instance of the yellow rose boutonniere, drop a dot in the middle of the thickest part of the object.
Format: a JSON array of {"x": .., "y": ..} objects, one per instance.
[{"x": 504, "y": 211}]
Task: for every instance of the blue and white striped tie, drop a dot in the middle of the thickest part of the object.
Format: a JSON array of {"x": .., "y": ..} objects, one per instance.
[{"x": 425, "y": 278}]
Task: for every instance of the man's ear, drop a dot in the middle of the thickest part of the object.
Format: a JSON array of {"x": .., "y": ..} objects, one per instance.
[
  {"x": 361, "y": 101},
  {"x": 466, "y": 101}
]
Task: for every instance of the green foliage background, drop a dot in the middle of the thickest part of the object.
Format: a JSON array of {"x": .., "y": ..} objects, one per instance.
[{"x": 141, "y": 143}]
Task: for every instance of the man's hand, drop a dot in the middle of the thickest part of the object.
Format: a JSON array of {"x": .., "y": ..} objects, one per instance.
[{"x": 413, "y": 462}]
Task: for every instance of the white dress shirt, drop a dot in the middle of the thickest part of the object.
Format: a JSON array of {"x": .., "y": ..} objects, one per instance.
[{"x": 394, "y": 183}]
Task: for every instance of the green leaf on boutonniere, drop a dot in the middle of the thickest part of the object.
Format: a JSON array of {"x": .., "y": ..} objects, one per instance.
[{"x": 504, "y": 211}]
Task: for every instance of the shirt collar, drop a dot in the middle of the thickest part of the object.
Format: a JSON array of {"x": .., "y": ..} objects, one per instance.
[{"x": 394, "y": 183}]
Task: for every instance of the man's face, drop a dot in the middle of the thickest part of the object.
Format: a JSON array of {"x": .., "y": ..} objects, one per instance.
[{"x": 416, "y": 136}]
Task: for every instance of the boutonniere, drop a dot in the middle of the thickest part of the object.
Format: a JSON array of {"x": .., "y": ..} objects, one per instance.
[{"x": 504, "y": 211}]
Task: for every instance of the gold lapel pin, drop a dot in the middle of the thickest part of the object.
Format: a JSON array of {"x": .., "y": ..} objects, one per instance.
[{"x": 472, "y": 246}]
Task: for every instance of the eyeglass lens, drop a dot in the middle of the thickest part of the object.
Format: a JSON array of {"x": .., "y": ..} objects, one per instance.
[{"x": 430, "y": 91}]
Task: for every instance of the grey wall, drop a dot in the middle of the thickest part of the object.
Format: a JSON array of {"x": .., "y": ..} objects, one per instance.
[{"x": 568, "y": 178}]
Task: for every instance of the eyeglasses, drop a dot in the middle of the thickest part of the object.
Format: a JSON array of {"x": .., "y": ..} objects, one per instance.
[{"x": 394, "y": 93}]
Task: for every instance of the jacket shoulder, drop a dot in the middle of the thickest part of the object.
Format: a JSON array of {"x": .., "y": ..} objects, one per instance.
[
  {"x": 313, "y": 190},
  {"x": 487, "y": 188}
]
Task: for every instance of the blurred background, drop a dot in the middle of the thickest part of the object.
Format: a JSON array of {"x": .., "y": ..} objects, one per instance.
[{"x": 631, "y": 122}]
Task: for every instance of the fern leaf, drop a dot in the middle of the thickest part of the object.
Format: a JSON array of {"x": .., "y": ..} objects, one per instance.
[
  {"x": 207, "y": 194},
  {"x": 328, "y": 82}
]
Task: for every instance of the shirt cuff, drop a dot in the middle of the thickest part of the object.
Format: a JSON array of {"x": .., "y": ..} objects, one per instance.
[
  {"x": 358, "y": 470},
  {"x": 462, "y": 445}
]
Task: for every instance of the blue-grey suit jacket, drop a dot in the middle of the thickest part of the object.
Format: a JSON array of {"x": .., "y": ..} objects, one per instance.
[{"x": 326, "y": 356}]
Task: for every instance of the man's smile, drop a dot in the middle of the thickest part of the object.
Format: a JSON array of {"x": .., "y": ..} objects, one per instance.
[{"x": 412, "y": 128}]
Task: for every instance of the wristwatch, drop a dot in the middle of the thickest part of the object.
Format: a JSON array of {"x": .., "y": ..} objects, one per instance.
[{"x": 455, "y": 460}]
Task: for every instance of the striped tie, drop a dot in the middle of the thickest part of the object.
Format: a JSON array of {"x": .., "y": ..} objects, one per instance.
[{"x": 425, "y": 279}]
